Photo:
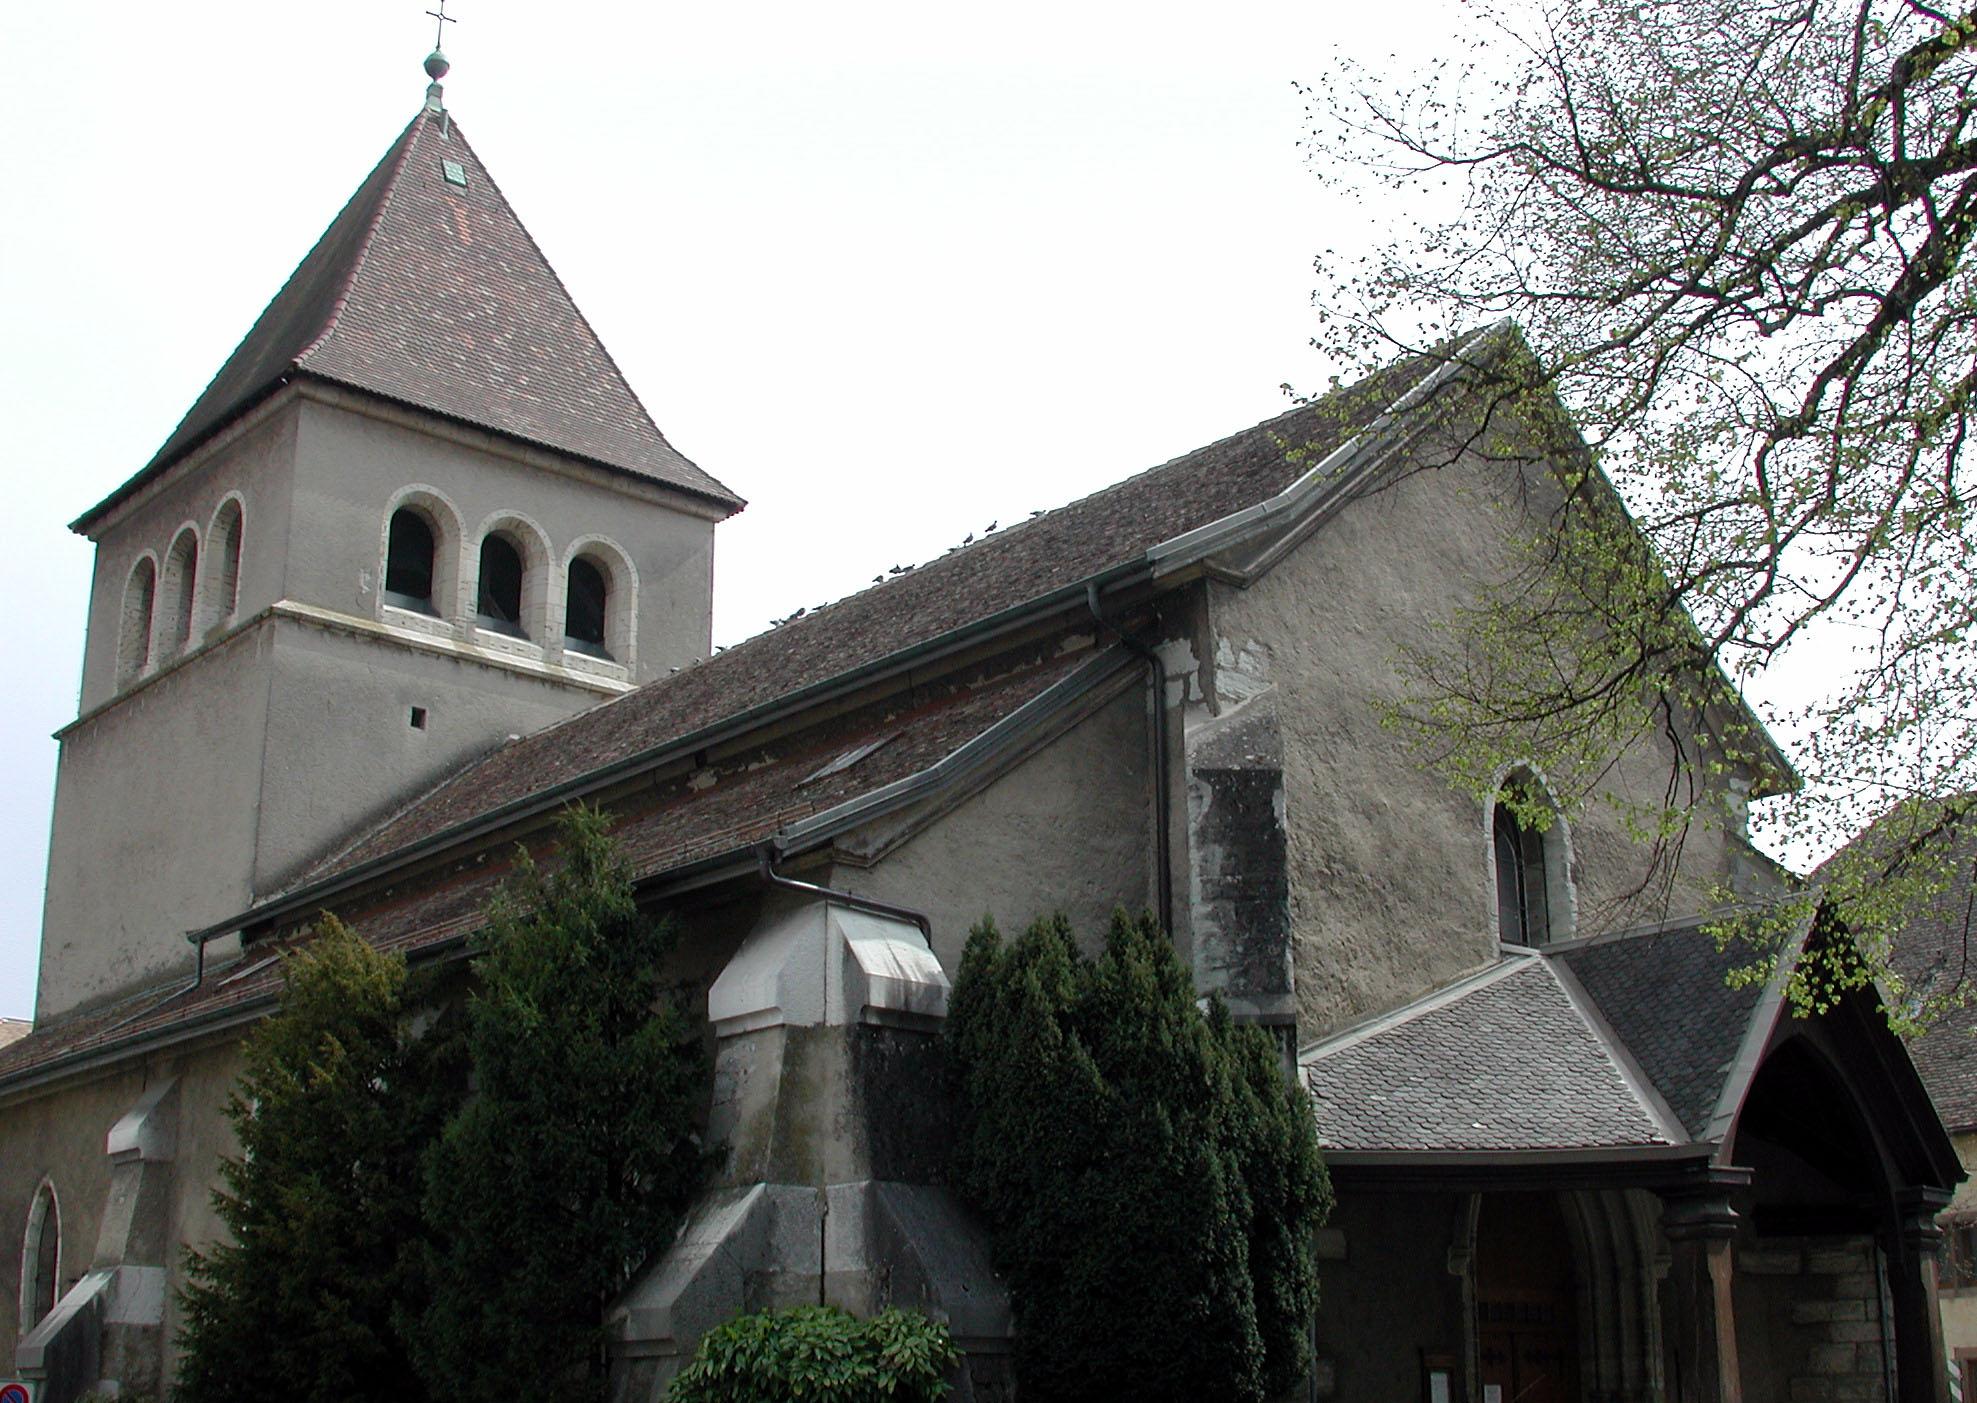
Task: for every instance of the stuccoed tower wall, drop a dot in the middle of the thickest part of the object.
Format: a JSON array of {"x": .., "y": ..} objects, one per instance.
[
  {"x": 828, "y": 1104},
  {"x": 285, "y": 723}
]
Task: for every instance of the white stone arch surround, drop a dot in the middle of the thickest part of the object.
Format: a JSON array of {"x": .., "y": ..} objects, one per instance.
[
  {"x": 1561, "y": 891},
  {"x": 538, "y": 568},
  {"x": 449, "y": 564},
  {"x": 136, "y": 618},
  {"x": 45, "y": 1204},
  {"x": 621, "y": 607},
  {"x": 176, "y": 613},
  {"x": 219, "y": 567}
]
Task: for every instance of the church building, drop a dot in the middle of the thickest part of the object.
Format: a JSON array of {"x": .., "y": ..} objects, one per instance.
[{"x": 417, "y": 571}]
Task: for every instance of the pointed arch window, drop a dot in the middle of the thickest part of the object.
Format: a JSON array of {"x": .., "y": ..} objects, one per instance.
[
  {"x": 41, "y": 1258},
  {"x": 586, "y": 608},
  {"x": 134, "y": 633},
  {"x": 181, "y": 586},
  {"x": 1522, "y": 890},
  {"x": 500, "y": 599},
  {"x": 408, "y": 561}
]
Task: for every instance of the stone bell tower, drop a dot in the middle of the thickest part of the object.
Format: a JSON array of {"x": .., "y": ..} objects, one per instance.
[{"x": 416, "y": 512}]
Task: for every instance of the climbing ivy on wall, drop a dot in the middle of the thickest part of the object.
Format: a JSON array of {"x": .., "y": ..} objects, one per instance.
[{"x": 1150, "y": 1176}]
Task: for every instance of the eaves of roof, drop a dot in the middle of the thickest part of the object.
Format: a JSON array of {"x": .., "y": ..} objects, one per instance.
[{"x": 1119, "y": 584}]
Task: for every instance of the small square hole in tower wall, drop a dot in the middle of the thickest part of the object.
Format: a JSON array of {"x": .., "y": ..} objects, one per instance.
[{"x": 418, "y": 718}]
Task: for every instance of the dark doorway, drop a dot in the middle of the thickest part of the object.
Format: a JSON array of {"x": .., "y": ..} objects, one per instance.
[{"x": 1527, "y": 1318}]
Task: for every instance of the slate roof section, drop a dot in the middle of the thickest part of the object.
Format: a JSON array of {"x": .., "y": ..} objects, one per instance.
[
  {"x": 1501, "y": 1062},
  {"x": 711, "y": 813},
  {"x": 432, "y": 294},
  {"x": 1004, "y": 570},
  {"x": 1665, "y": 995}
]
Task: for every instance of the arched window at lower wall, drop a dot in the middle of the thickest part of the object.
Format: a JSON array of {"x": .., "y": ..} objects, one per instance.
[
  {"x": 1531, "y": 863},
  {"x": 134, "y": 631},
  {"x": 41, "y": 1258}
]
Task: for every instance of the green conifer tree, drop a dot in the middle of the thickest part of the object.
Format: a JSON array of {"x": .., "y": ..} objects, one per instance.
[
  {"x": 332, "y": 1112},
  {"x": 1151, "y": 1178},
  {"x": 572, "y": 1161}
]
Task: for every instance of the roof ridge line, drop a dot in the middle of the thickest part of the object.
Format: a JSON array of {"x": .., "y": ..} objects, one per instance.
[
  {"x": 583, "y": 318},
  {"x": 1764, "y": 1018},
  {"x": 1631, "y": 1073},
  {"x": 406, "y": 141}
]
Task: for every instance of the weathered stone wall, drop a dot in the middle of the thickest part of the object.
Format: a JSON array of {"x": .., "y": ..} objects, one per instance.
[
  {"x": 1391, "y": 871},
  {"x": 1811, "y": 1320}
]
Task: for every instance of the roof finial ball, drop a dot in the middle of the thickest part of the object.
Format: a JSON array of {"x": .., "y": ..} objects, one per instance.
[{"x": 436, "y": 65}]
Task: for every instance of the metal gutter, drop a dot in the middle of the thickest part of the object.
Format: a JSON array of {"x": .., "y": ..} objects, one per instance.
[
  {"x": 1334, "y": 472},
  {"x": 1513, "y": 1159},
  {"x": 773, "y": 878},
  {"x": 1163, "y": 853},
  {"x": 972, "y": 754}
]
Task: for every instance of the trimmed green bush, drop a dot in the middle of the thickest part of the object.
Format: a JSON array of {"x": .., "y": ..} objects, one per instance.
[
  {"x": 335, "y": 1105},
  {"x": 1150, "y": 1177},
  {"x": 819, "y": 1354},
  {"x": 574, "y": 1158}
]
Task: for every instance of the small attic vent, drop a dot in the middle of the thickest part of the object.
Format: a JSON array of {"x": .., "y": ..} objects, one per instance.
[{"x": 456, "y": 174}]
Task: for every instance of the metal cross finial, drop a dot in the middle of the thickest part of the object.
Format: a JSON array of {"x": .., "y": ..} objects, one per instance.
[{"x": 442, "y": 19}]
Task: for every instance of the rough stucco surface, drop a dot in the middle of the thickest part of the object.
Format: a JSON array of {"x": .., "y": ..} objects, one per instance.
[
  {"x": 256, "y": 467},
  {"x": 1391, "y": 874},
  {"x": 154, "y": 826},
  {"x": 340, "y": 747},
  {"x": 1068, "y": 830}
]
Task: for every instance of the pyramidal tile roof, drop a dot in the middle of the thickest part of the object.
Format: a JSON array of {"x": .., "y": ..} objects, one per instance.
[{"x": 428, "y": 291}]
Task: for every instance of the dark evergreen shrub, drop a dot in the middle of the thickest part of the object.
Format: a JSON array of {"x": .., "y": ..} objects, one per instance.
[
  {"x": 334, "y": 1107},
  {"x": 575, "y": 1156},
  {"x": 820, "y": 1354},
  {"x": 1150, "y": 1177}
]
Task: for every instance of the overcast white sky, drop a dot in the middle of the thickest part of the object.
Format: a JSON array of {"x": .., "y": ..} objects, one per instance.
[{"x": 890, "y": 271}]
